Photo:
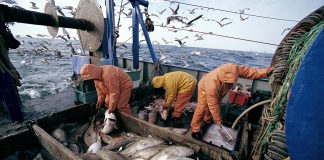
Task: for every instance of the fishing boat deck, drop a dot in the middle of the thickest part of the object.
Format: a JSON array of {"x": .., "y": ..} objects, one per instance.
[{"x": 37, "y": 108}]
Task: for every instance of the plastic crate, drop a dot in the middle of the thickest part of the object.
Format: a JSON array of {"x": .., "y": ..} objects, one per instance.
[
  {"x": 84, "y": 98},
  {"x": 86, "y": 86},
  {"x": 135, "y": 76},
  {"x": 238, "y": 98}
]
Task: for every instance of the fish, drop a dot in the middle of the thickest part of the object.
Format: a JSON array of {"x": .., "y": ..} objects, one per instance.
[
  {"x": 38, "y": 157},
  {"x": 90, "y": 135},
  {"x": 110, "y": 116},
  {"x": 164, "y": 114},
  {"x": 179, "y": 130},
  {"x": 74, "y": 148},
  {"x": 116, "y": 143},
  {"x": 109, "y": 126},
  {"x": 60, "y": 135},
  {"x": 142, "y": 115},
  {"x": 105, "y": 154},
  {"x": 140, "y": 145},
  {"x": 89, "y": 156},
  {"x": 178, "y": 151},
  {"x": 147, "y": 153},
  {"x": 178, "y": 158},
  {"x": 152, "y": 116},
  {"x": 95, "y": 147}
]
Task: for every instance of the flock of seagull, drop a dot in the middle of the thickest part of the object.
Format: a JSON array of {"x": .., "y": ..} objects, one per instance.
[{"x": 184, "y": 21}]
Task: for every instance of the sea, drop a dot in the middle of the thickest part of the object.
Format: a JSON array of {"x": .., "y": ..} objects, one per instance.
[{"x": 45, "y": 65}]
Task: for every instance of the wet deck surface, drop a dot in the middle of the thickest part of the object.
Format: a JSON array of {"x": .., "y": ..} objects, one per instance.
[{"x": 37, "y": 108}]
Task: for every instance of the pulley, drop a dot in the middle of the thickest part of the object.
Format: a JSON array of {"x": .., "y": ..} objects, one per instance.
[{"x": 88, "y": 10}]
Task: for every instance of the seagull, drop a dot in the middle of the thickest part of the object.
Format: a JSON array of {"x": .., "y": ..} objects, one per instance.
[
  {"x": 154, "y": 15},
  {"x": 34, "y": 5},
  {"x": 287, "y": 29},
  {"x": 192, "y": 11},
  {"x": 195, "y": 19},
  {"x": 175, "y": 12},
  {"x": 156, "y": 42},
  {"x": 243, "y": 19},
  {"x": 161, "y": 12},
  {"x": 65, "y": 33},
  {"x": 199, "y": 37},
  {"x": 18, "y": 7},
  {"x": 59, "y": 53},
  {"x": 222, "y": 25},
  {"x": 9, "y": 1},
  {"x": 166, "y": 42},
  {"x": 243, "y": 10},
  {"x": 68, "y": 8},
  {"x": 71, "y": 48},
  {"x": 62, "y": 37},
  {"x": 59, "y": 10},
  {"x": 42, "y": 35},
  {"x": 73, "y": 13},
  {"x": 44, "y": 46},
  {"x": 177, "y": 18},
  {"x": 223, "y": 19},
  {"x": 180, "y": 42}
]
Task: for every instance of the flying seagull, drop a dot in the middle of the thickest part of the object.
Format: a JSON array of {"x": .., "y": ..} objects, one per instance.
[
  {"x": 195, "y": 19},
  {"x": 161, "y": 12},
  {"x": 180, "y": 42},
  {"x": 175, "y": 11},
  {"x": 34, "y": 5}
]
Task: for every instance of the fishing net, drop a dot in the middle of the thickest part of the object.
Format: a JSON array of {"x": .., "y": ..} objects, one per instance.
[{"x": 273, "y": 116}]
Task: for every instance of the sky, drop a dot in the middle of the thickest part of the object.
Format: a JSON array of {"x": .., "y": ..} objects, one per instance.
[{"x": 253, "y": 28}]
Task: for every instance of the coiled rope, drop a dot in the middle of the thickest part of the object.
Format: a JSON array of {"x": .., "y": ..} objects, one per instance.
[{"x": 277, "y": 108}]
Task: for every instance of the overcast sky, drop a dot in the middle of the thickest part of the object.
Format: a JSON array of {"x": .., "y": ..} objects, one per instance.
[{"x": 252, "y": 28}]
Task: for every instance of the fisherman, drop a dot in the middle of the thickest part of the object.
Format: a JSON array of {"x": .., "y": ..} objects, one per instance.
[
  {"x": 179, "y": 87},
  {"x": 213, "y": 87},
  {"x": 113, "y": 86}
]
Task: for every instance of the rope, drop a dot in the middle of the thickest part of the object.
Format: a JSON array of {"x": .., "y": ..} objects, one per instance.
[
  {"x": 296, "y": 55},
  {"x": 219, "y": 35},
  {"x": 157, "y": 71},
  {"x": 234, "y": 12}
]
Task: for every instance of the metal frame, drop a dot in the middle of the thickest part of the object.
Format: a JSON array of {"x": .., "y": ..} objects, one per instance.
[{"x": 137, "y": 18}]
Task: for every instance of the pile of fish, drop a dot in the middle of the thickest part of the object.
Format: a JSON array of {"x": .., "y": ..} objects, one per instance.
[
  {"x": 155, "y": 111},
  {"x": 90, "y": 141}
]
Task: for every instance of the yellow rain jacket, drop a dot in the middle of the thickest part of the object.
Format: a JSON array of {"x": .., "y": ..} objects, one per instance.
[{"x": 174, "y": 83}]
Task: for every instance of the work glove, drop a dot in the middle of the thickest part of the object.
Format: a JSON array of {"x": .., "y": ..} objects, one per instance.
[{"x": 99, "y": 104}]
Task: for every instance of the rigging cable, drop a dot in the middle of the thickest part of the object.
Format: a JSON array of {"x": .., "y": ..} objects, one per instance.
[
  {"x": 211, "y": 33},
  {"x": 234, "y": 12}
]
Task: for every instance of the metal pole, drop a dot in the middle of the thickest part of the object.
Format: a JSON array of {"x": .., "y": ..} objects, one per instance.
[
  {"x": 30, "y": 17},
  {"x": 147, "y": 37},
  {"x": 109, "y": 28},
  {"x": 135, "y": 5}
]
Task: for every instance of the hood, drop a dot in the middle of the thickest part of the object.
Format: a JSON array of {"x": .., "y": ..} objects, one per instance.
[
  {"x": 90, "y": 71},
  {"x": 228, "y": 73},
  {"x": 158, "y": 81}
]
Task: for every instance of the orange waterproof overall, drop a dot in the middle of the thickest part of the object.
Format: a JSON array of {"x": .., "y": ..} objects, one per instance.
[
  {"x": 179, "y": 87},
  {"x": 214, "y": 86},
  {"x": 113, "y": 85}
]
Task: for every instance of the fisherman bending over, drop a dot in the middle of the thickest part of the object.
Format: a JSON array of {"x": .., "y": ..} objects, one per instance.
[
  {"x": 213, "y": 87},
  {"x": 179, "y": 86},
  {"x": 113, "y": 86}
]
